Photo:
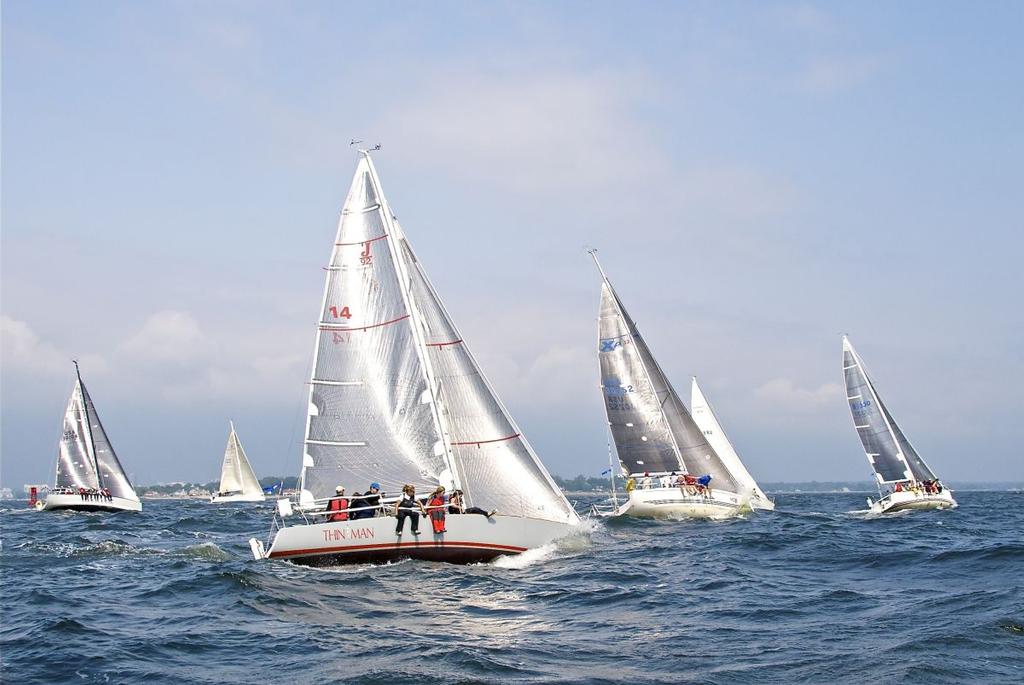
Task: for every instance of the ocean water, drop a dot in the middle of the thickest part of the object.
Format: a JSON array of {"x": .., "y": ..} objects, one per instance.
[{"x": 809, "y": 593}]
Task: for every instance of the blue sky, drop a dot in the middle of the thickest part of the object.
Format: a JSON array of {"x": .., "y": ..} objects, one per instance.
[{"x": 758, "y": 178}]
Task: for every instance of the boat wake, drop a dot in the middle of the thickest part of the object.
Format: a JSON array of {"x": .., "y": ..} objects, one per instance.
[{"x": 530, "y": 557}]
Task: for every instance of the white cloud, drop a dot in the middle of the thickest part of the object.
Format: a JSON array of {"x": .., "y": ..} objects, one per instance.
[
  {"x": 23, "y": 349},
  {"x": 785, "y": 394},
  {"x": 168, "y": 336}
]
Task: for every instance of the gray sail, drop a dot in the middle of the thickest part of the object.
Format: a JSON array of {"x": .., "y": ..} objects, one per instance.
[
  {"x": 495, "y": 464},
  {"x": 76, "y": 466},
  {"x": 371, "y": 417},
  {"x": 642, "y": 435},
  {"x": 651, "y": 427},
  {"x": 86, "y": 457},
  {"x": 872, "y": 421},
  {"x": 918, "y": 467}
]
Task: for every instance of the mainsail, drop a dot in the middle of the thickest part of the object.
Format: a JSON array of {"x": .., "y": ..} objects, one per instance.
[
  {"x": 86, "y": 459},
  {"x": 396, "y": 396},
  {"x": 707, "y": 421},
  {"x": 236, "y": 475},
  {"x": 888, "y": 451},
  {"x": 651, "y": 427}
]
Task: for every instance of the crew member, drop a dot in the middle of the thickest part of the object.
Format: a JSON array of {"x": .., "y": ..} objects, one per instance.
[
  {"x": 408, "y": 507},
  {"x": 436, "y": 510},
  {"x": 457, "y": 505},
  {"x": 339, "y": 505}
]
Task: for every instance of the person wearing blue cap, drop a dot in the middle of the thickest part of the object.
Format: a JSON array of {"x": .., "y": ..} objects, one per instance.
[{"x": 371, "y": 502}]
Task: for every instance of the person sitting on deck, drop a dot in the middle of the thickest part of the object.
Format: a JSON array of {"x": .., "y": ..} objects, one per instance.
[
  {"x": 898, "y": 487},
  {"x": 456, "y": 505},
  {"x": 645, "y": 482},
  {"x": 664, "y": 481},
  {"x": 339, "y": 505},
  {"x": 371, "y": 502},
  {"x": 704, "y": 483},
  {"x": 630, "y": 485},
  {"x": 689, "y": 484},
  {"x": 436, "y": 510},
  {"x": 407, "y": 508}
]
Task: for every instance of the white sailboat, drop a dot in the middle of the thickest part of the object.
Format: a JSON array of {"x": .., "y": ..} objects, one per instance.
[
  {"x": 238, "y": 483},
  {"x": 708, "y": 422},
  {"x": 397, "y": 398},
  {"x": 89, "y": 475},
  {"x": 904, "y": 479},
  {"x": 660, "y": 447}
]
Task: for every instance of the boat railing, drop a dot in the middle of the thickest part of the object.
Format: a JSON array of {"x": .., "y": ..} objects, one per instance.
[{"x": 314, "y": 510}]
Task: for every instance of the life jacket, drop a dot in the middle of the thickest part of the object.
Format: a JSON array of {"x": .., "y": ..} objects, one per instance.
[
  {"x": 439, "y": 503},
  {"x": 338, "y": 504}
]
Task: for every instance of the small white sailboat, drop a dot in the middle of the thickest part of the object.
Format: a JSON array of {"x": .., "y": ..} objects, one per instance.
[
  {"x": 904, "y": 479},
  {"x": 89, "y": 475},
  {"x": 396, "y": 398},
  {"x": 675, "y": 470},
  {"x": 708, "y": 422},
  {"x": 238, "y": 483}
]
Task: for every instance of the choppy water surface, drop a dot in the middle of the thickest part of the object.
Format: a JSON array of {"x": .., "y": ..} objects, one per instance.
[{"x": 808, "y": 593}]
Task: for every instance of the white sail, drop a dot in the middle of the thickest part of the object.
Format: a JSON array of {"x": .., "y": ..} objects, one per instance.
[
  {"x": 236, "y": 474},
  {"x": 708, "y": 422},
  {"x": 395, "y": 395},
  {"x": 86, "y": 459}
]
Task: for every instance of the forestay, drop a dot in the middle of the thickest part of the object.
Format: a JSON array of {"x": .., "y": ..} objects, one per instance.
[
  {"x": 236, "y": 474},
  {"x": 651, "y": 427},
  {"x": 396, "y": 396},
  {"x": 86, "y": 459},
  {"x": 888, "y": 451}
]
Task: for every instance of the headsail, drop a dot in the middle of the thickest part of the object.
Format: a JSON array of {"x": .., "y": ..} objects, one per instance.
[
  {"x": 236, "y": 474},
  {"x": 651, "y": 427},
  {"x": 396, "y": 397},
  {"x": 889, "y": 452},
  {"x": 86, "y": 457},
  {"x": 708, "y": 422}
]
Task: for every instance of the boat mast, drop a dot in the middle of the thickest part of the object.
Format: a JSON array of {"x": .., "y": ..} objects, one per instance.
[
  {"x": 415, "y": 324},
  {"x": 661, "y": 407},
  {"x": 88, "y": 425}
]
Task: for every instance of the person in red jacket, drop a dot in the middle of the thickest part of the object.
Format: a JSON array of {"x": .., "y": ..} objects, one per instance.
[
  {"x": 436, "y": 509},
  {"x": 339, "y": 505}
]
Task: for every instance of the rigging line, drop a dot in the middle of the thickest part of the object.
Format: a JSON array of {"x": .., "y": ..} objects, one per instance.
[
  {"x": 444, "y": 344},
  {"x": 484, "y": 442},
  {"x": 333, "y": 327},
  {"x": 362, "y": 242}
]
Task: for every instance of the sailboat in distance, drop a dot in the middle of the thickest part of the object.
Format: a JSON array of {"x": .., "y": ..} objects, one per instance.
[
  {"x": 904, "y": 480},
  {"x": 708, "y": 422},
  {"x": 396, "y": 399},
  {"x": 673, "y": 470},
  {"x": 89, "y": 475},
  {"x": 238, "y": 483}
]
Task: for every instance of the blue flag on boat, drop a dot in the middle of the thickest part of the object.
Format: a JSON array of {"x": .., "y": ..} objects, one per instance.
[{"x": 271, "y": 489}]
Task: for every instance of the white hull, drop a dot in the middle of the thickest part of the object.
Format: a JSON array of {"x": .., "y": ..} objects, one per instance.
[
  {"x": 224, "y": 499},
  {"x": 674, "y": 503},
  {"x": 902, "y": 501},
  {"x": 77, "y": 503},
  {"x": 470, "y": 538}
]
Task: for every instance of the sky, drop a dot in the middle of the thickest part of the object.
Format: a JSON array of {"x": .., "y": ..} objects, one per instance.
[{"x": 758, "y": 178}]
